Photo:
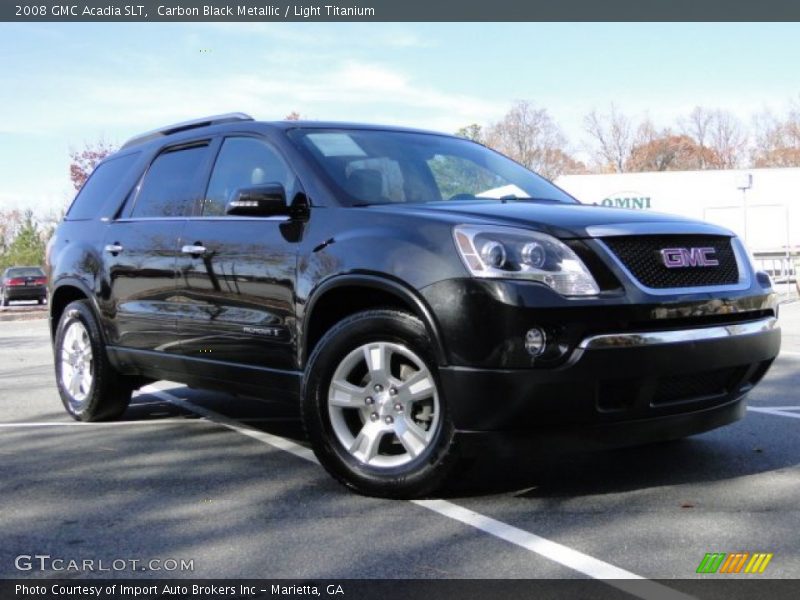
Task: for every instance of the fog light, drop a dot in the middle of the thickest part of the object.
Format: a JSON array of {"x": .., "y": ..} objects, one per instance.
[{"x": 535, "y": 341}]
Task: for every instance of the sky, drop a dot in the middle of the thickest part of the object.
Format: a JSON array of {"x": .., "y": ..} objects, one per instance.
[{"x": 63, "y": 85}]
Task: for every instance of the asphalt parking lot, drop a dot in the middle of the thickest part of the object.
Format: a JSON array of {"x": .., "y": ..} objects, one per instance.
[
  {"x": 229, "y": 484},
  {"x": 24, "y": 309}
]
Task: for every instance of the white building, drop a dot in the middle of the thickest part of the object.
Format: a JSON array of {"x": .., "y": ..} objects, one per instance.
[{"x": 761, "y": 205}]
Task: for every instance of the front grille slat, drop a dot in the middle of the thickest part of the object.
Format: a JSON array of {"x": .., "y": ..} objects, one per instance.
[{"x": 641, "y": 255}]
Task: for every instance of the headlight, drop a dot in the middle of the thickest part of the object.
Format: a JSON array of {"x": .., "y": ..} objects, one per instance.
[{"x": 510, "y": 253}]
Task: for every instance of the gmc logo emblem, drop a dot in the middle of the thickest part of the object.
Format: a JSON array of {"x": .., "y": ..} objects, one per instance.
[{"x": 688, "y": 257}]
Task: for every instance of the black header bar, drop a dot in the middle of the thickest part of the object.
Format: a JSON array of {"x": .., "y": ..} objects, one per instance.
[
  {"x": 398, "y": 10},
  {"x": 710, "y": 588}
]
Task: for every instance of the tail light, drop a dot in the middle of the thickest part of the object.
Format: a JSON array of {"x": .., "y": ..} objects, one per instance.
[
  {"x": 40, "y": 281},
  {"x": 15, "y": 281}
]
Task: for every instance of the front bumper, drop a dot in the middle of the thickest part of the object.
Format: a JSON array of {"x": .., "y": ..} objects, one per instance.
[{"x": 621, "y": 389}]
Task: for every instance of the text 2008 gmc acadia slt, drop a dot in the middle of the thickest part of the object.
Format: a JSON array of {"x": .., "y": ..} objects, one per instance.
[{"x": 415, "y": 292}]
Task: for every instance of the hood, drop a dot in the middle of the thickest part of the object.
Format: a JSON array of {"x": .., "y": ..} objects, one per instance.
[{"x": 561, "y": 220}]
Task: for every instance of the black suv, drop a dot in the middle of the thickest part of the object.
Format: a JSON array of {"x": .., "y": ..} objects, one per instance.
[{"x": 415, "y": 292}]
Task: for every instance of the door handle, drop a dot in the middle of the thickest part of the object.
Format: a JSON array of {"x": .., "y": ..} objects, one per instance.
[
  {"x": 194, "y": 249},
  {"x": 114, "y": 248}
]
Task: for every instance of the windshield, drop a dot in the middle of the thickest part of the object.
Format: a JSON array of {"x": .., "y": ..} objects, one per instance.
[{"x": 384, "y": 167}]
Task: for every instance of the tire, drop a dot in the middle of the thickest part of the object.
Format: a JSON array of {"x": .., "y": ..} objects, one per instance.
[
  {"x": 3, "y": 299},
  {"x": 40, "y": 301},
  {"x": 380, "y": 431},
  {"x": 90, "y": 388}
]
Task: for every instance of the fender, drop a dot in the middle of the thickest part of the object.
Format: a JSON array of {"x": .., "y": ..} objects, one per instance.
[
  {"x": 386, "y": 284},
  {"x": 85, "y": 290}
]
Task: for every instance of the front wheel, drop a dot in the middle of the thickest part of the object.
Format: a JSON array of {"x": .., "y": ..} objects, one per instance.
[
  {"x": 373, "y": 408},
  {"x": 89, "y": 386}
]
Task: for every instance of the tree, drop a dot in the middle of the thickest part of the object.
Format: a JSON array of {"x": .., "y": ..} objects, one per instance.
[
  {"x": 472, "y": 132},
  {"x": 728, "y": 140},
  {"x": 666, "y": 151},
  {"x": 719, "y": 132},
  {"x": 612, "y": 134},
  {"x": 777, "y": 139},
  {"x": 531, "y": 137},
  {"x": 28, "y": 247},
  {"x": 83, "y": 162},
  {"x": 10, "y": 224},
  {"x": 292, "y": 116},
  {"x": 564, "y": 164}
]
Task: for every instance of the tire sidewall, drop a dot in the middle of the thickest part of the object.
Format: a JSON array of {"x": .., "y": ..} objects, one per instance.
[
  {"x": 410, "y": 479},
  {"x": 78, "y": 311}
]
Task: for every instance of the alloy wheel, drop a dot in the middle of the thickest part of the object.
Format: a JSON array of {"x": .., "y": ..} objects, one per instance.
[{"x": 383, "y": 405}]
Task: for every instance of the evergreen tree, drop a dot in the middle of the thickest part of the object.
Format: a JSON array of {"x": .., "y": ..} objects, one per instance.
[{"x": 27, "y": 248}]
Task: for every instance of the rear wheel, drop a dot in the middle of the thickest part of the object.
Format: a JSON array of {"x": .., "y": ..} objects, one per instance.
[
  {"x": 373, "y": 408},
  {"x": 90, "y": 388},
  {"x": 3, "y": 297}
]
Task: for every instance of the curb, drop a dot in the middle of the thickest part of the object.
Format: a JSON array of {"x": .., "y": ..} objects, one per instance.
[{"x": 25, "y": 315}]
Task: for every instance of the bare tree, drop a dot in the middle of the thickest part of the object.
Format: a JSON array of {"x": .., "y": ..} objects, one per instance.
[
  {"x": 719, "y": 134},
  {"x": 10, "y": 223},
  {"x": 777, "y": 139},
  {"x": 612, "y": 134},
  {"x": 530, "y": 136},
  {"x": 565, "y": 164},
  {"x": 727, "y": 140},
  {"x": 664, "y": 150},
  {"x": 697, "y": 126},
  {"x": 292, "y": 116}
]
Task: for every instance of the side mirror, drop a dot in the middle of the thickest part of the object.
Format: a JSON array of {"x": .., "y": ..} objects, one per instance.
[{"x": 267, "y": 200}]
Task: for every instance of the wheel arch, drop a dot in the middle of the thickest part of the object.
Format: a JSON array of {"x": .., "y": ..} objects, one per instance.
[
  {"x": 344, "y": 295},
  {"x": 66, "y": 291}
]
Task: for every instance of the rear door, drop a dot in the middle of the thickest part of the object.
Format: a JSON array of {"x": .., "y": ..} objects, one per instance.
[
  {"x": 237, "y": 274},
  {"x": 142, "y": 247}
]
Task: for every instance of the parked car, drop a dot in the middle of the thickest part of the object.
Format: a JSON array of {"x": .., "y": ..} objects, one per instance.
[
  {"x": 418, "y": 294},
  {"x": 23, "y": 283}
]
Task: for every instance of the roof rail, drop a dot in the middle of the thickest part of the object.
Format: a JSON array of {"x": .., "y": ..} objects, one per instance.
[{"x": 193, "y": 124}]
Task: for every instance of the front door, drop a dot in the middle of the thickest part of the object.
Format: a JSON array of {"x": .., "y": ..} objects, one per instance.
[{"x": 237, "y": 274}]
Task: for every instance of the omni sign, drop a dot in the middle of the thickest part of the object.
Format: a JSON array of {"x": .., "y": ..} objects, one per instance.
[{"x": 674, "y": 258}]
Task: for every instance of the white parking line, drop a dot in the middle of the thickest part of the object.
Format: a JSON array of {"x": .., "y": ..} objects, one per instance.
[
  {"x": 583, "y": 563},
  {"x": 776, "y": 411},
  {"x": 100, "y": 424},
  {"x": 261, "y": 436}
]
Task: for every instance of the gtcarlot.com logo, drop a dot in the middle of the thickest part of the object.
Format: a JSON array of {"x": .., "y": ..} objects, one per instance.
[
  {"x": 734, "y": 563},
  {"x": 45, "y": 562}
]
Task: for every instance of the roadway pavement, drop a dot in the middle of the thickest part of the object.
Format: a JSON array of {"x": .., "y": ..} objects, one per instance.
[{"x": 229, "y": 484}]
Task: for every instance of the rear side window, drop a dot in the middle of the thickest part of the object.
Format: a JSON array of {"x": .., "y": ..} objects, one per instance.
[
  {"x": 171, "y": 185},
  {"x": 103, "y": 183},
  {"x": 25, "y": 272}
]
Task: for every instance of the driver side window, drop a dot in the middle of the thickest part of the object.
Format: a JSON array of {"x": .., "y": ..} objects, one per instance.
[{"x": 243, "y": 162}]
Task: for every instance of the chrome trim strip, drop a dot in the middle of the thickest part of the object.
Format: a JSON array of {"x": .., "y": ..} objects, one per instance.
[
  {"x": 280, "y": 218},
  {"x": 742, "y": 264},
  {"x": 657, "y": 228},
  {"x": 654, "y": 338}
]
